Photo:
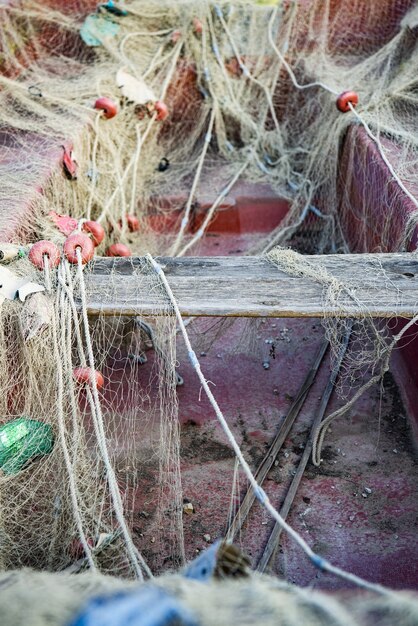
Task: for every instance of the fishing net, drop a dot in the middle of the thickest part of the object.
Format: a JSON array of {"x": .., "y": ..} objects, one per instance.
[
  {"x": 58, "y": 599},
  {"x": 250, "y": 93}
]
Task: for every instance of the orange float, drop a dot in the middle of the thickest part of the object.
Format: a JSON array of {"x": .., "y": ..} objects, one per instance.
[
  {"x": 84, "y": 376},
  {"x": 345, "y": 99},
  {"x": 81, "y": 242},
  {"x": 109, "y": 108},
  {"x": 42, "y": 249},
  {"x": 96, "y": 231},
  {"x": 118, "y": 249},
  {"x": 162, "y": 110}
]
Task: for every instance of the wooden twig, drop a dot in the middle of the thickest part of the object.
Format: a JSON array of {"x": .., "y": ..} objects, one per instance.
[
  {"x": 268, "y": 461},
  {"x": 273, "y": 541}
]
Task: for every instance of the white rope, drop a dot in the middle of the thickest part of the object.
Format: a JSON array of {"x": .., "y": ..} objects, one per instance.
[
  {"x": 98, "y": 422},
  {"x": 318, "y": 561},
  {"x": 383, "y": 155},
  {"x": 185, "y": 219},
  {"x": 199, "y": 234},
  {"x": 336, "y": 93},
  {"x": 287, "y": 66},
  {"x": 61, "y": 431}
]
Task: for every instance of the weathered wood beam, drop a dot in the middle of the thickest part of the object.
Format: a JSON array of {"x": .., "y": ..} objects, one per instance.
[{"x": 385, "y": 285}]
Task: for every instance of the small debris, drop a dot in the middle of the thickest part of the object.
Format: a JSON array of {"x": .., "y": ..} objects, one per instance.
[
  {"x": 203, "y": 354},
  {"x": 351, "y": 518},
  {"x": 276, "y": 392},
  {"x": 286, "y": 455},
  {"x": 276, "y": 463},
  {"x": 367, "y": 490},
  {"x": 339, "y": 525},
  {"x": 365, "y": 495},
  {"x": 219, "y": 356},
  {"x": 152, "y": 539},
  {"x": 207, "y": 538},
  {"x": 266, "y": 365},
  {"x": 188, "y": 508},
  {"x": 395, "y": 451}
]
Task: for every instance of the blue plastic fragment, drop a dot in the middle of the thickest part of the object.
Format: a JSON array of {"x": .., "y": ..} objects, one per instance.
[
  {"x": 96, "y": 28},
  {"x": 113, "y": 8},
  {"x": 149, "y": 606},
  {"x": 203, "y": 567}
]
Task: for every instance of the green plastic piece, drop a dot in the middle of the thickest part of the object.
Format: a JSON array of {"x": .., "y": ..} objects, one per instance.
[
  {"x": 96, "y": 28},
  {"x": 21, "y": 441}
]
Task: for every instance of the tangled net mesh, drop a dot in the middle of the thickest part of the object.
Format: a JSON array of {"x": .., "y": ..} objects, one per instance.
[{"x": 235, "y": 113}]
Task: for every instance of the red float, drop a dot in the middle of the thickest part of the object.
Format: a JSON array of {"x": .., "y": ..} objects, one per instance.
[
  {"x": 118, "y": 249},
  {"x": 132, "y": 222},
  {"x": 197, "y": 26},
  {"x": 96, "y": 231},
  {"x": 162, "y": 110},
  {"x": 70, "y": 166},
  {"x": 84, "y": 375},
  {"x": 345, "y": 99},
  {"x": 42, "y": 249},
  {"x": 175, "y": 36},
  {"x": 109, "y": 108},
  {"x": 75, "y": 242}
]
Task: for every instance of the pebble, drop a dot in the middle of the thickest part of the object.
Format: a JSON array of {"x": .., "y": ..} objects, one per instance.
[
  {"x": 219, "y": 356},
  {"x": 203, "y": 354},
  {"x": 286, "y": 455},
  {"x": 188, "y": 508},
  {"x": 276, "y": 392},
  {"x": 367, "y": 490},
  {"x": 351, "y": 518},
  {"x": 276, "y": 463},
  {"x": 395, "y": 451},
  {"x": 339, "y": 525},
  {"x": 207, "y": 538},
  {"x": 266, "y": 365},
  {"x": 365, "y": 495}
]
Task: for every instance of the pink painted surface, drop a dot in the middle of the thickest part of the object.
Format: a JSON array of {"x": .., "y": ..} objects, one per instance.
[
  {"x": 373, "y": 208},
  {"x": 374, "y": 212}
]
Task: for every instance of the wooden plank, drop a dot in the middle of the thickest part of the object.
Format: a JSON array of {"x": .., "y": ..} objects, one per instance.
[{"x": 385, "y": 285}]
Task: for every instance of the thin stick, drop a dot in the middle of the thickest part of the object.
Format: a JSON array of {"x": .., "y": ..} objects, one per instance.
[
  {"x": 273, "y": 542},
  {"x": 268, "y": 461}
]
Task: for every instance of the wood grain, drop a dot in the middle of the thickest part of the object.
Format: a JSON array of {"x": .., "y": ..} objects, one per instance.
[{"x": 385, "y": 285}]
